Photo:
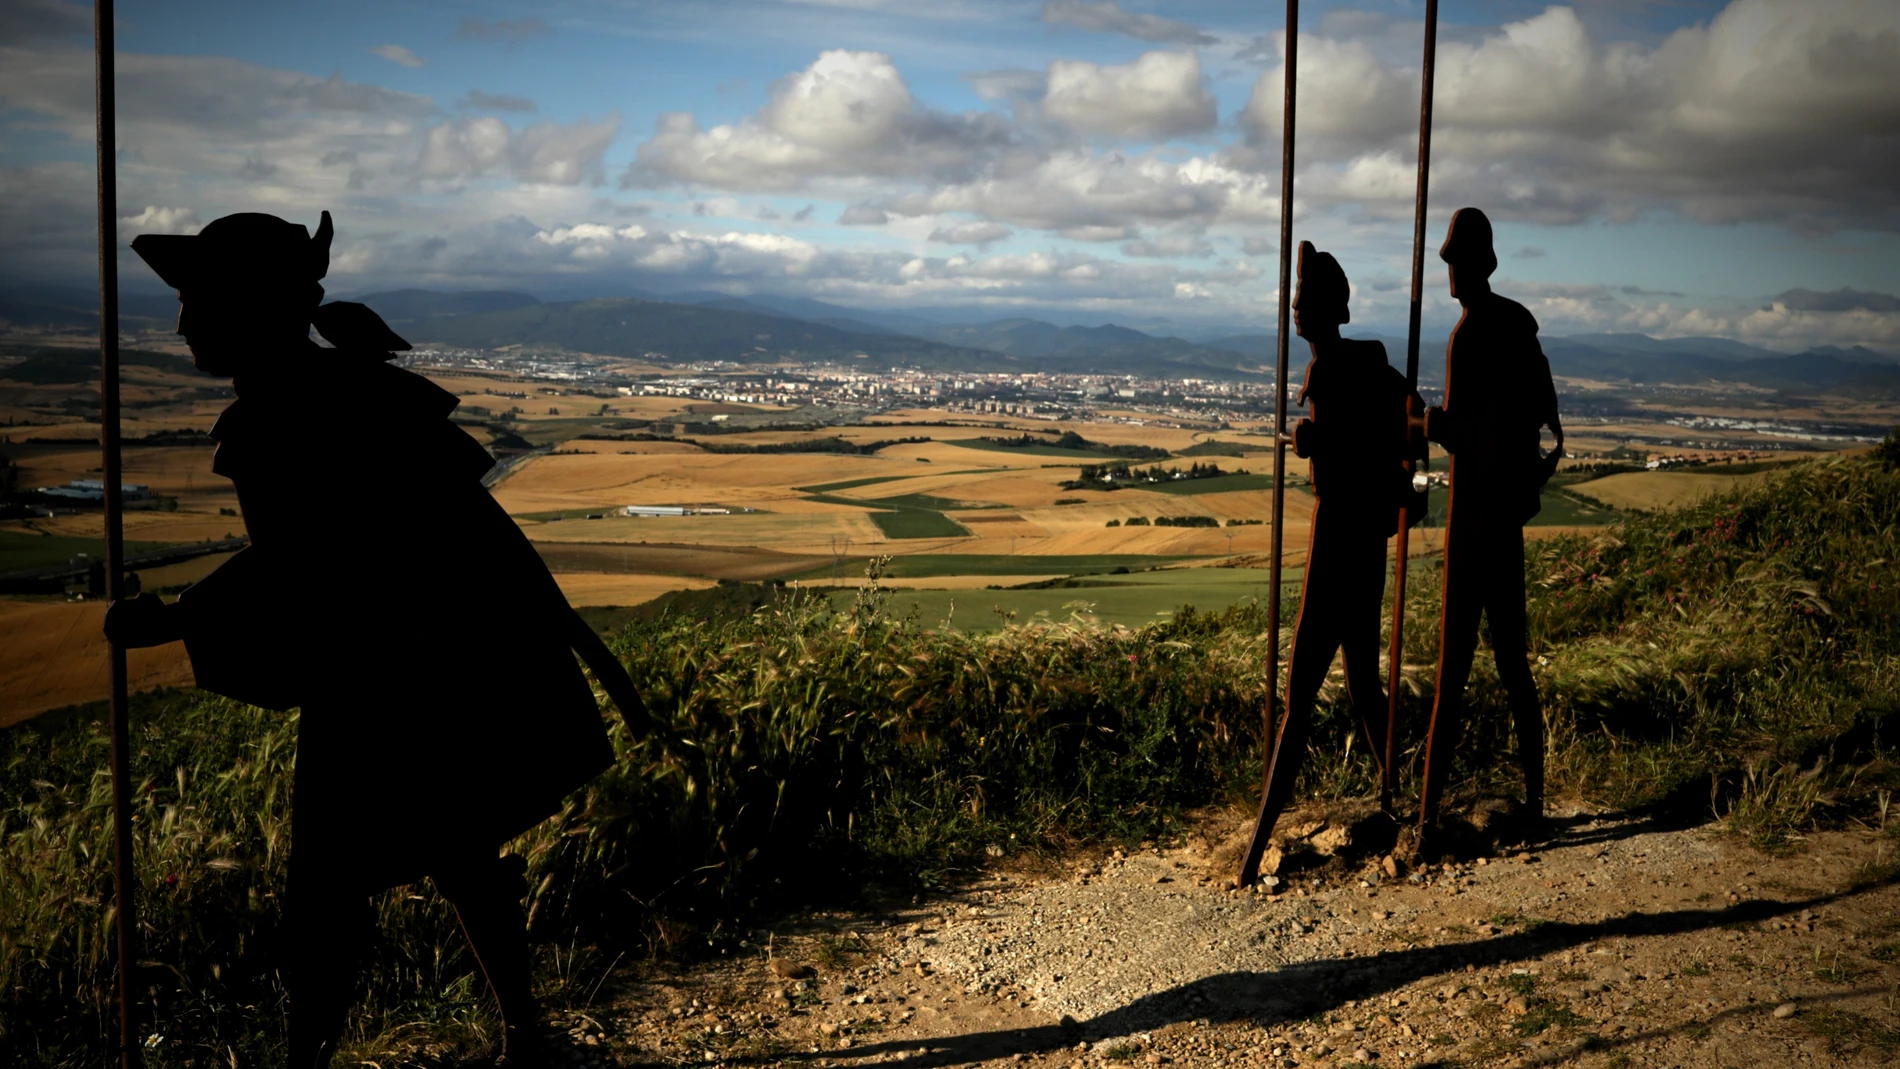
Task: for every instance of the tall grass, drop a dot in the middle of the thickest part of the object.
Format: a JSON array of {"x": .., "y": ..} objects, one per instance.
[{"x": 1722, "y": 652}]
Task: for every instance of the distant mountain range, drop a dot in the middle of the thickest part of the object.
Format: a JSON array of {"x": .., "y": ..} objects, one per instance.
[
  {"x": 743, "y": 330},
  {"x": 706, "y": 326}
]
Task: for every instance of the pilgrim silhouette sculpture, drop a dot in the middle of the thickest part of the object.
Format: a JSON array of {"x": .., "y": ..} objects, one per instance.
[
  {"x": 1498, "y": 398},
  {"x": 386, "y": 595},
  {"x": 1355, "y": 440}
]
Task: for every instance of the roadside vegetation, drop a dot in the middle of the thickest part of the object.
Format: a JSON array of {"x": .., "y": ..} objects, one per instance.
[{"x": 1736, "y": 659}]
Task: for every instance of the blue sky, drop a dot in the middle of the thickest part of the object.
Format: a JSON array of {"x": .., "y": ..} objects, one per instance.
[{"x": 1670, "y": 167}]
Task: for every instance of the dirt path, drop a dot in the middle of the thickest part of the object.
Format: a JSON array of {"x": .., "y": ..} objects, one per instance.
[{"x": 1614, "y": 943}]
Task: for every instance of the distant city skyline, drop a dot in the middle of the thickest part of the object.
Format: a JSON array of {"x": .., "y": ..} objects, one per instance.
[{"x": 1675, "y": 169}]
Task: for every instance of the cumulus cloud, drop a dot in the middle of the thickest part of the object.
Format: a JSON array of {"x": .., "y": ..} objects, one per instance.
[
  {"x": 849, "y": 114},
  {"x": 980, "y": 234},
  {"x": 864, "y": 215},
  {"x": 1770, "y": 112},
  {"x": 1101, "y": 197},
  {"x": 1106, "y": 16},
  {"x": 478, "y": 100},
  {"x": 1160, "y": 94},
  {"x": 556, "y": 153},
  {"x": 158, "y": 220},
  {"x": 512, "y": 31},
  {"x": 399, "y": 55}
]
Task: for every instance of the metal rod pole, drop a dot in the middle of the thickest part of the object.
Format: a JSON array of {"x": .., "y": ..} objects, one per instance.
[
  {"x": 1389, "y": 782},
  {"x": 1250, "y": 864},
  {"x": 124, "y": 881}
]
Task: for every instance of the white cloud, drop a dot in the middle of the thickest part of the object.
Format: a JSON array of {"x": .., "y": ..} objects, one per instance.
[
  {"x": 157, "y": 220},
  {"x": 399, "y": 55},
  {"x": 1159, "y": 95},
  {"x": 555, "y": 153},
  {"x": 981, "y": 234},
  {"x": 1106, "y": 16},
  {"x": 847, "y": 115}
]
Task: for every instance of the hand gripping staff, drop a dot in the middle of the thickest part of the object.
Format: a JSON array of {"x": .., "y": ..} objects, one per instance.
[
  {"x": 1389, "y": 782},
  {"x": 1257, "y": 846}
]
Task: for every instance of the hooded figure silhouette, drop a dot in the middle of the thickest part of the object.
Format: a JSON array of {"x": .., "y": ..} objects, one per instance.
[{"x": 388, "y": 597}]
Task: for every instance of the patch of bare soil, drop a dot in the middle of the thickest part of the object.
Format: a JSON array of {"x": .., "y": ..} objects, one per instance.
[{"x": 1604, "y": 941}]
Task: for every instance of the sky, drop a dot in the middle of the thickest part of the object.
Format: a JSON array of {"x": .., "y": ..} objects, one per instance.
[{"x": 1670, "y": 167}]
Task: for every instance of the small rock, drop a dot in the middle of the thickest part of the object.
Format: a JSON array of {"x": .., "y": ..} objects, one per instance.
[
  {"x": 1391, "y": 867},
  {"x": 1518, "y": 1006},
  {"x": 788, "y": 970},
  {"x": 1785, "y": 1010},
  {"x": 1379, "y": 915},
  {"x": 827, "y": 1029},
  {"x": 1362, "y": 1055}
]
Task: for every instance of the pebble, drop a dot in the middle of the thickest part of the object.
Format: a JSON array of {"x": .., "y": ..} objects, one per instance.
[
  {"x": 1362, "y": 1055},
  {"x": 1785, "y": 1010}
]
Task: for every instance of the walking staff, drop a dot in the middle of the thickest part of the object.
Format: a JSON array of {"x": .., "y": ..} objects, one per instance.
[
  {"x": 124, "y": 881},
  {"x": 1250, "y": 864},
  {"x": 1411, "y": 511}
]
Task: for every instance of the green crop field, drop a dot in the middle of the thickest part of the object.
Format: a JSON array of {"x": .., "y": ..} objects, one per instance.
[
  {"x": 1563, "y": 510},
  {"x": 852, "y": 484},
  {"x": 1031, "y": 450},
  {"x": 25, "y": 550},
  {"x": 918, "y": 523},
  {"x": 1131, "y": 600},
  {"x": 932, "y": 565},
  {"x": 1219, "y": 484}
]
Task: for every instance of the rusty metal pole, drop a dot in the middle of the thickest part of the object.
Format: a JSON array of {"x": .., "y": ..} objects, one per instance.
[
  {"x": 1388, "y": 785},
  {"x": 1257, "y": 846},
  {"x": 124, "y": 881}
]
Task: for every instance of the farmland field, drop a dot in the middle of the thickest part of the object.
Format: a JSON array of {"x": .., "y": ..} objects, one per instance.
[
  {"x": 1662, "y": 489},
  {"x": 1130, "y": 600},
  {"x": 955, "y": 511}
]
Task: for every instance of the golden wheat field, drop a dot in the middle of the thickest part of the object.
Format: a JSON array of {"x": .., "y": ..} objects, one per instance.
[
  {"x": 584, "y": 588},
  {"x": 1661, "y": 489},
  {"x": 56, "y": 655}
]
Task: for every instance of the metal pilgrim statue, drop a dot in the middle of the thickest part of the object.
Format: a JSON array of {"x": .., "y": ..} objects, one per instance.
[
  {"x": 1498, "y": 398},
  {"x": 443, "y": 712},
  {"x": 1356, "y": 441}
]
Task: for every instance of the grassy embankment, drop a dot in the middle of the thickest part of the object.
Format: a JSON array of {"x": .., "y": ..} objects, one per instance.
[{"x": 1741, "y": 652}]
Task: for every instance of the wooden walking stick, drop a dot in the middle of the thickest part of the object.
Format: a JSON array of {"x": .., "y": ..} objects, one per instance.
[
  {"x": 124, "y": 880},
  {"x": 1389, "y": 782},
  {"x": 1257, "y": 846}
]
